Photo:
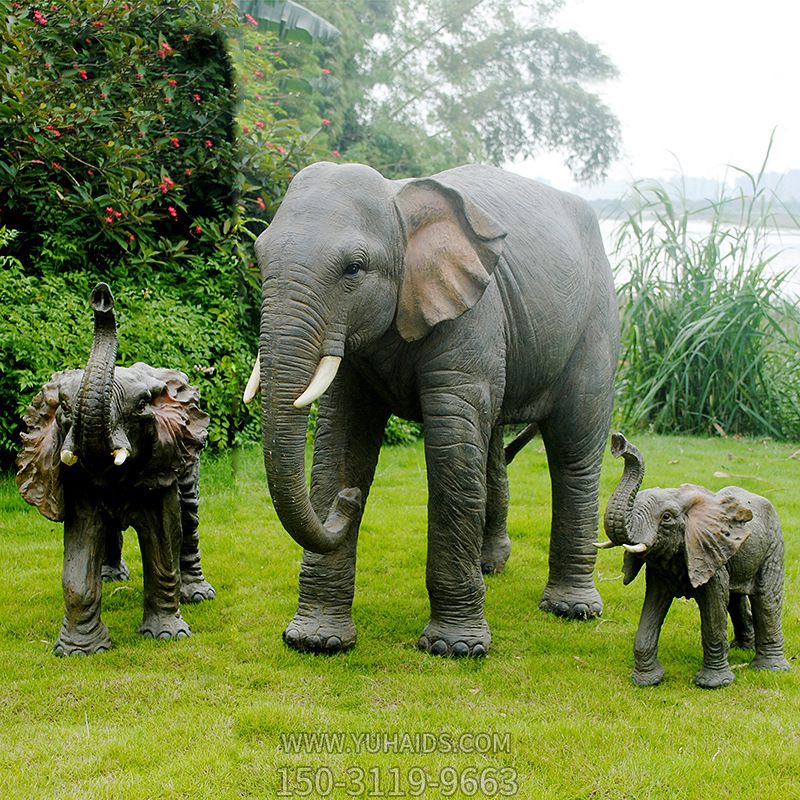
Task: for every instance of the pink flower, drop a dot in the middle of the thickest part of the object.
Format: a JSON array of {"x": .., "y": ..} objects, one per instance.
[
  {"x": 260, "y": 125},
  {"x": 196, "y": 97},
  {"x": 166, "y": 184},
  {"x": 251, "y": 20},
  {"x": 245, "y": 129},
  {"x": 39, "y": 18},
  {"x": 336, "y": 154},
  {"x": 326, "y": 71},
  {"x": 172, "y": 82},
  {"x": 261, "y": 203},
  {"x": 98, "y": 24},
  {"x": 325, "y": 122},
  {"x": 258, "y": 74},
  {"x": 131, "y": 237},
  {"x": 110, "y": 209},
  {"x": 172, "y": 212},
  {"x": 258, "y": 46},
  {"x": 83, "y": 74},
  {"x": 56, "y": 166},
  {"x": 175, "y": 141},
  {"x": 209, "y": 143},
  {"x": 198, "y": 230},
  {"x": 109, "y": 220},
  {"x": 164, "y": 50},
  {"x": 188, "y": 172}
]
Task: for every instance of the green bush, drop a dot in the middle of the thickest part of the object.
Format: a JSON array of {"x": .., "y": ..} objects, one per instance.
[{"x": 709, "y": 338}]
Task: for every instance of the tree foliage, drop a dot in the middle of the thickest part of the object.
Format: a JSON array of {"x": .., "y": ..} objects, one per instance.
[{"x": 421, "y": 86}]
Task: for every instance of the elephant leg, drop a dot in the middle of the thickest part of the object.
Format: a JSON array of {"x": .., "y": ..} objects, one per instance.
[
  {"x": 574, "y": 436},
  {"x": 766, "y": 602},
  {"x": 350, "y": 426},
  {"x": 657, "y": 601},
  {"x": 194, "y": 587},
  {"x": 83, "y": 632},
  {"x": 456, "y": 447},
  {"x": 742, "y": 619},
  {"x": 158, "y": 523},
  {"x": 712, "y": 598},
  {"x": 114, "y": 566},
  {"x": 496, "y": 544}
]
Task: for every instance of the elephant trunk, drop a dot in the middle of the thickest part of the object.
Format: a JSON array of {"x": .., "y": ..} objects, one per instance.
[
  {"x": 92, "y": 425},
  {"x": 617, "y": 519},
  {"x": 288, "y": 362}
]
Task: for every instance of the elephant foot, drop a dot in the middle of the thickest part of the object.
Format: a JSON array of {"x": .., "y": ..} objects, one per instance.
[
  {"x": 165, "y": 626},
  {"x": 774, "y": 663},
  {"x": 441, "y": 639},
  {"x": 571, "y": 602},
  {"x": 76, "y": 643},
  {"x": 195, "y": 591},
  {"x": 323, "y": 633},
  {"x": 648, "y": 677},
  {"x": 714, "y": 678},
  {"x": 494, "y": 554},
  {"x": 115, "y": 572}
]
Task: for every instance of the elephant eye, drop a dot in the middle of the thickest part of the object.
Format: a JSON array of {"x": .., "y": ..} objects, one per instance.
[
  {"x": 666, "y": 516},
  {"x": 353, "y": 268},
  {"x": 141, "y": 406}
]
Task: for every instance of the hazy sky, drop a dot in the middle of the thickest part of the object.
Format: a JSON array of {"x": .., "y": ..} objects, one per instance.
[{"x": 703, "y": 81}]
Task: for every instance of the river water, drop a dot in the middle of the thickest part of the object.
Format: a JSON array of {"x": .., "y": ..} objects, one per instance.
[{"x": 783, "y": 243}]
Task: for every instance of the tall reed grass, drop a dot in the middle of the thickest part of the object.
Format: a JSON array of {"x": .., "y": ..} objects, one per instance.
[{"x": 710, "y": 336}]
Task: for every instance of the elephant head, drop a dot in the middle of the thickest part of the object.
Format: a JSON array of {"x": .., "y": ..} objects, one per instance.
[
  {"x": 375, "y": 255},
  {"x": 104, "y": 423},
  {"x": 701, "y": 529}
]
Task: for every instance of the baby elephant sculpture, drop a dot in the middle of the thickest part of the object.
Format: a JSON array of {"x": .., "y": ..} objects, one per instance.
[
  {"x": 107, "y": 448},
  {"x": 717, "y": 548}
]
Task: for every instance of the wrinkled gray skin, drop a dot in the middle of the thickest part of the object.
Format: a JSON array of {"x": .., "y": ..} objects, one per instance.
[
  {"x": 468, "y": 300},
  {"x": 90, "y": 415},
  {"x": 719, "y": 549}
]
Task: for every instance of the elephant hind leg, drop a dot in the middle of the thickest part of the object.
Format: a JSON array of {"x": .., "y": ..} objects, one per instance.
[
  {"x": 766, "y": 603},
  {"x": 496, "y": 544},
  {"x": 742, "y": 619},
  {"x": 114, "y": 566},
  {"x": 194, "y": 586}
]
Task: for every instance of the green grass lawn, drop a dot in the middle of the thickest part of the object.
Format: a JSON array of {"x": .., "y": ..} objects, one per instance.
[{"x": 203, "y": 717}]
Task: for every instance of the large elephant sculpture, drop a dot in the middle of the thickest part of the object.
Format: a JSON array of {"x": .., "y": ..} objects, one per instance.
[
  {"x": 107, "y": 448},
  {"x": 718, "y": 548},
  {"x": 468, "y": 300}
]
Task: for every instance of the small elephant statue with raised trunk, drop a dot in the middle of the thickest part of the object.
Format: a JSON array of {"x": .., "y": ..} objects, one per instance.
[
  {"x": 110, "y": 447},
  {"x": 719, "y": 548}
]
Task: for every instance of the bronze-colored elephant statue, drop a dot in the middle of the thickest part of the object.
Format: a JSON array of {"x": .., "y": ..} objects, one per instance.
[
  {"x": 718, "y": 548},
  {"x": 110, "y": 447}
]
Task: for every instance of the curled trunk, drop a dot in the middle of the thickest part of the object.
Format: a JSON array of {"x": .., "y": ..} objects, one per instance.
[
  {"x": 620, "y": 507},
  {"x": 92, "y": 423},
  {"x": 286, "y": 369}
]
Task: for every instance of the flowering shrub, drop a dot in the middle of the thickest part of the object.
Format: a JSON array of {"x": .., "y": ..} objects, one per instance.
[{"x": 121, "y": 158}]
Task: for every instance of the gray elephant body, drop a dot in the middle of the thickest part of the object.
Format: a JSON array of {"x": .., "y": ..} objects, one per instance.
[
  {"x": 467, "y": 301},
  {"x": 107, "y": 448},
  {"x": 718, "y": 548}
]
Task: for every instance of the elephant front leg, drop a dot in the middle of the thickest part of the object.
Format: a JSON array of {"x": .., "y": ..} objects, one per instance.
[
  {"x": 157, "y": 520},
  {"x": 496, "y": 543},
  {"x": 712, "y": 598},
  {"x": 350, "y": 426},
  {"x": 657, "y": 601},
  {"x": 455, "y": 450},
  {"x": 83, "y": 632}
]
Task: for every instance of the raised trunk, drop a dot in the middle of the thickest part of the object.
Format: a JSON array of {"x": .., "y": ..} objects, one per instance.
[
  {"x": 620, "y": 507},
  {"x": 92, "y": 421},
  {"x": 287, "y": 365}
]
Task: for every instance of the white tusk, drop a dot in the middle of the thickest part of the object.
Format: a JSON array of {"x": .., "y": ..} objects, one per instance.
[
  {"x": 120, "y": 456},
  {"x": 323, "y": 378},
  {"x": 604, "y": 545},
  {"x": 68, "y": 457},
  {"x": 635, "y": 548},
  {"x": 253, "y": 384}
]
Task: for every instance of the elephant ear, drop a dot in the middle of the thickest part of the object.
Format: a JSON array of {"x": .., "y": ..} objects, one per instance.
[
  {"x": 716, "y": 527},
  {"x": 39, "y": 461},
  {"x": 181, "y": 428},
  {"x": 452, "y": 248}
]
